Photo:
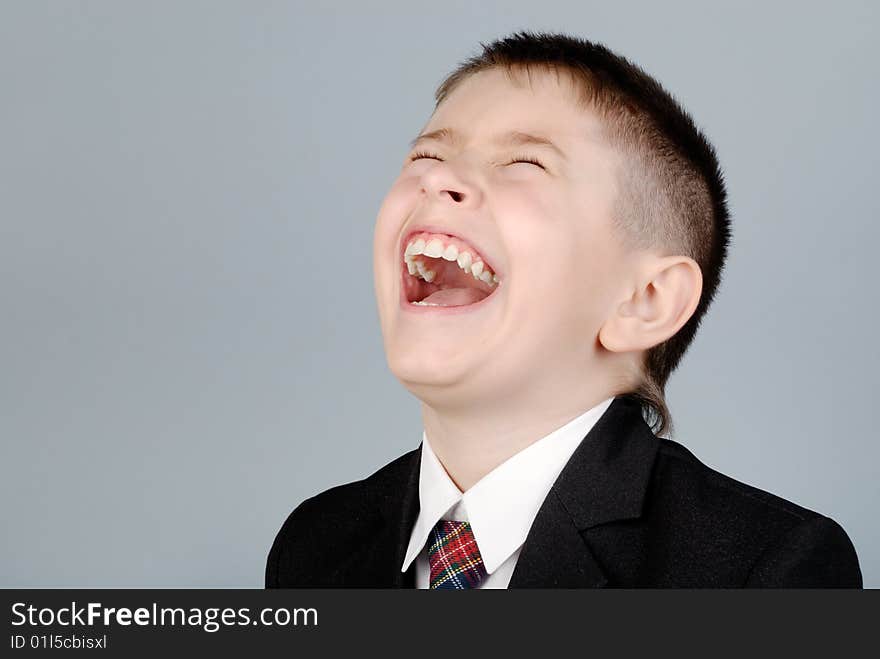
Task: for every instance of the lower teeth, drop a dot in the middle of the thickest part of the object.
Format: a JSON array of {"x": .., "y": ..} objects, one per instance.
[{"x": 427, "y": 304}]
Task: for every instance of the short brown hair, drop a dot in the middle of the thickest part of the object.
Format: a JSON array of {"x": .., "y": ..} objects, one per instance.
[{"x": 672, "y": 191}]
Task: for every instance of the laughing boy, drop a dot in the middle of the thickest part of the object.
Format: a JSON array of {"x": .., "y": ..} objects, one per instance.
[{"x": 557, "y": 232}]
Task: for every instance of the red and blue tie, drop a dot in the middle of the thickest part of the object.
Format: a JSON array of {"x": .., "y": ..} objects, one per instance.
[{"x": 454, "y": 557}]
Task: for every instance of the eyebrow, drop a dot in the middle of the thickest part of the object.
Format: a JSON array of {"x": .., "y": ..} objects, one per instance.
[{"x": 511, "y": 138}]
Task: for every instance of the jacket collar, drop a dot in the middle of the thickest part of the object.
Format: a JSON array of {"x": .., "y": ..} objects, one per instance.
[
  {"x": 403, "y": 522},
  {"x": 375, "y": 561},
  {"x": 605, "y": 480}
]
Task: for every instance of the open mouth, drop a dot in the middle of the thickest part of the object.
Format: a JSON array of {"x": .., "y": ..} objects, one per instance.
[{"x": 444, "y": 271}]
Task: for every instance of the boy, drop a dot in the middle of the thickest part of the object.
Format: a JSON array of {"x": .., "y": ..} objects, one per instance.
[{"x": 541, "y": 265}]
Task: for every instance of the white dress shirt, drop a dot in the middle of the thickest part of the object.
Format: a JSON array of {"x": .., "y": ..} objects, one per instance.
[{"x": 501, "y": 506}]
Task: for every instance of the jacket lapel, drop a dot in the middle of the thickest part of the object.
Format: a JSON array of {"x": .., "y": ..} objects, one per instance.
[
  {"x": 402, "y": 520},
  {"x": 605, "y": 480},
  {"x": 376, "y": 561},
  {"x": 554, "y": 554}
]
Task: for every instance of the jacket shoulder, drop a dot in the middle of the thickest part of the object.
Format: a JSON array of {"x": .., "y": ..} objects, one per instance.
[
  {"x": 318, "y": 533},
  {"x": 761, "y": 538},
  {"x": 676, "y": 461}
]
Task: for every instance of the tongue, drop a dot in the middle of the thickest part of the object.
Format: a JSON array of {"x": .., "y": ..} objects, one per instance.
[{"x": 455, "y": 297}]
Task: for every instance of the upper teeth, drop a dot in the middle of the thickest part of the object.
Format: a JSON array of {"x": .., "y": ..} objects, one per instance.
[{"x": 435, "y": 248}]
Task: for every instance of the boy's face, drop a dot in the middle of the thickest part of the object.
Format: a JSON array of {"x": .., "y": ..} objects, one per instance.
[{"x": 546, "y": 233}]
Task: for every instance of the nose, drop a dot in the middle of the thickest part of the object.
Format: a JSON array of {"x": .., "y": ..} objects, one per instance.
[{"x": 443, "y": 182}]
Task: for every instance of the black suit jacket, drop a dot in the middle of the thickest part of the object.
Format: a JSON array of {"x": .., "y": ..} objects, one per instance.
[{"x": 628, "y": 510}]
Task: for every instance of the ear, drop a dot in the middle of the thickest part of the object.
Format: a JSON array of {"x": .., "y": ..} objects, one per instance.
[{"x": 663, "y": 300}]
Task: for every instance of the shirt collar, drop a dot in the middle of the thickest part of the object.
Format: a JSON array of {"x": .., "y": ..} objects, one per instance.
[{"x": 502, "y": 505}]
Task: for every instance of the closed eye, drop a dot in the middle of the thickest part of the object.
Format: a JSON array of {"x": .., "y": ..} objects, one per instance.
[
  {"x": 421, "y": 154},
  {"x": 517, "y": 159},
  {"x": 527, "y": 159}
]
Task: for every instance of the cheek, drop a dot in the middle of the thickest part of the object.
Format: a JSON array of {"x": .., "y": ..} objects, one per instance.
[
  {"x": 537, "y": 227},
  {"x": 395, "y": 208},
  {"x": 562, "y": 305},
  {"x": 526, "y": 215},
  {"x": 400, "y": 197},
  {"x": 562, "y": 277},
  {"x": 591, "y": 288}
]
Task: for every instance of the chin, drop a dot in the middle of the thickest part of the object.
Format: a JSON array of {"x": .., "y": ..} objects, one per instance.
[{"x": 414, "y": 369}]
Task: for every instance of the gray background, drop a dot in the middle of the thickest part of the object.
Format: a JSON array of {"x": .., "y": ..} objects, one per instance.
[{"x": 189, "y": 344}]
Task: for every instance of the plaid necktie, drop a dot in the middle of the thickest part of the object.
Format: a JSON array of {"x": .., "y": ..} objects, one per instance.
[{"x": 454, "y": 556}]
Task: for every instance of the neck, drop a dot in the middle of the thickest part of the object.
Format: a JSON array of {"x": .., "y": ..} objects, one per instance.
[{"x": 470, "y": 442}]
